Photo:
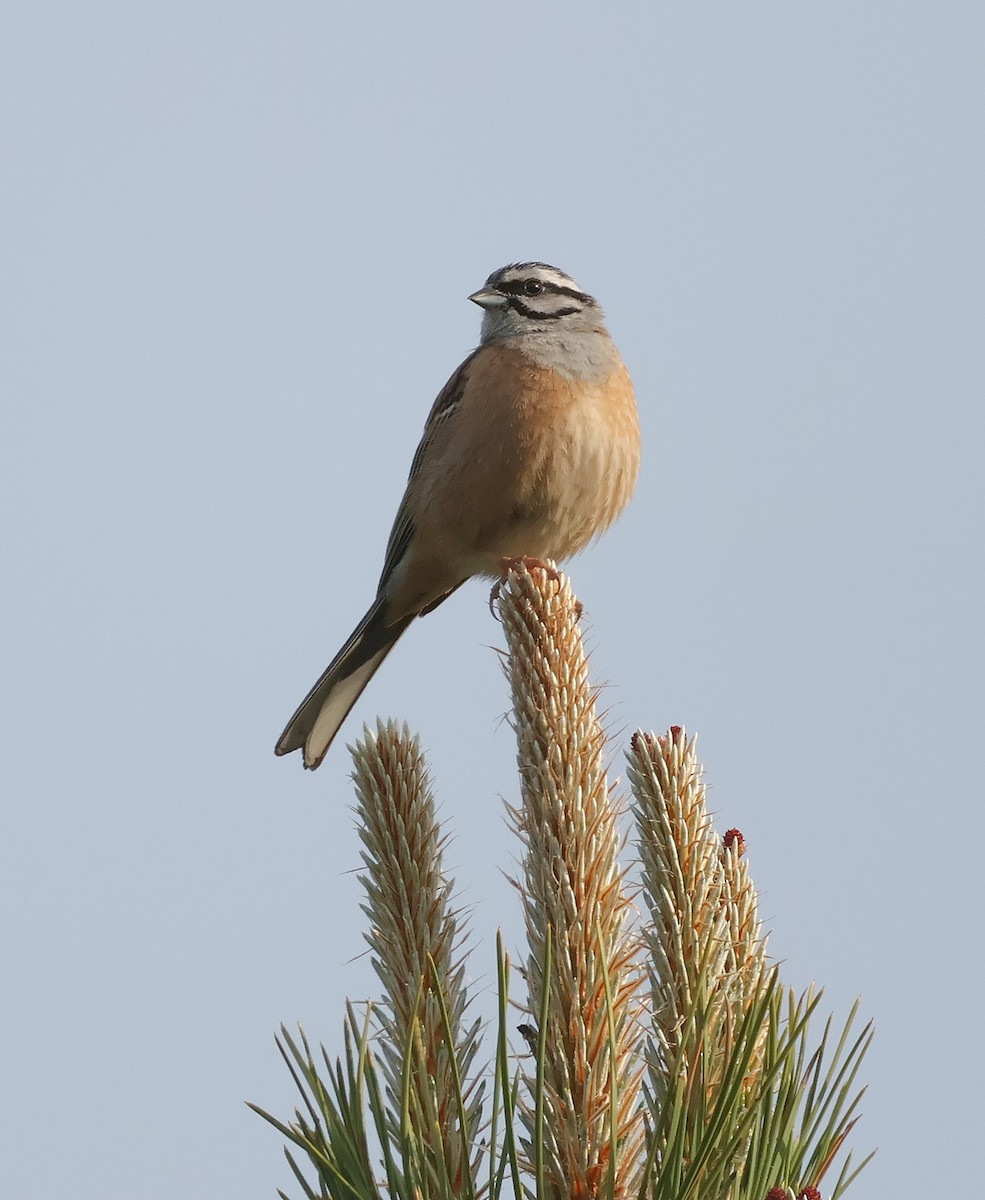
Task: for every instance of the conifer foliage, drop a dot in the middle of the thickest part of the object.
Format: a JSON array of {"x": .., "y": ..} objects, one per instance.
[{"x": 658, "y": 1055}]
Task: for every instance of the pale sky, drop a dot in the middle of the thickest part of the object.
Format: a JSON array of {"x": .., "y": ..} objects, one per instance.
[{"x": 236, "y": 242}]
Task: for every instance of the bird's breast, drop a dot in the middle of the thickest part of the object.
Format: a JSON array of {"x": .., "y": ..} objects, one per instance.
[{"x": 533, "y": 463}]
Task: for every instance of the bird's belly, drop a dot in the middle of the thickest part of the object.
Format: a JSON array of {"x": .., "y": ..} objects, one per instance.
[
  {"x": 541, "y": 475},
  {"x": 576, "y": 490}
]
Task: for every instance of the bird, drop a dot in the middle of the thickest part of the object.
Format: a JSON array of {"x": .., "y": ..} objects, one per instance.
[{"x": 530, "y": 451}]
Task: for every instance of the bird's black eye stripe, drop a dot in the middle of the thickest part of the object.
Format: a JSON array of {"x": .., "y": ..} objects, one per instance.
[
  {"x": 574, "y": 294},
  {"x": 514, "y": 287},
  {"x": 518, "y": 287},
  {"x": 538, "y": 314}
]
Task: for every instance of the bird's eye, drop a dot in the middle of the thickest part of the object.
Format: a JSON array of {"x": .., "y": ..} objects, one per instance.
[{"x": 532, "y": 287}]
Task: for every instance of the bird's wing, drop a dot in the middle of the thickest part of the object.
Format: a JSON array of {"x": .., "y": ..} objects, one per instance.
[{"x": 402, "y": 533}]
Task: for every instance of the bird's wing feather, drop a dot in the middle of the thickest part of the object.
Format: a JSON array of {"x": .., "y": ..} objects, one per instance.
[{"x": 402, "y": 533}]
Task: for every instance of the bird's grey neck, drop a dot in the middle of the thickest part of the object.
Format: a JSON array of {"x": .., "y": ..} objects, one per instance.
[{"x": 585, "y": 354}]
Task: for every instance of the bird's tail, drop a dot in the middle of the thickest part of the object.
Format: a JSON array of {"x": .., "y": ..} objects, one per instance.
[{"x": 327, "y": 705}]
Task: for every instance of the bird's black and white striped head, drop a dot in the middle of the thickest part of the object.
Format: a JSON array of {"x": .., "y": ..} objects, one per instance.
[{"x": 534, "y": 297}]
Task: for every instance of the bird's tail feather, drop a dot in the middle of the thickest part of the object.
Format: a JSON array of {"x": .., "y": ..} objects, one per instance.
[{"x": 327, "y": 705}]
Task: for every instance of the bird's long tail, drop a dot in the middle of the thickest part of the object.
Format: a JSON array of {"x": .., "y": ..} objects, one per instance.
[{"x": 327, "y": 705}]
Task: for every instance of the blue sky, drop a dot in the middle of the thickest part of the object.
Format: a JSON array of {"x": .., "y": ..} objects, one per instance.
[{"x": 236, "y": 243}]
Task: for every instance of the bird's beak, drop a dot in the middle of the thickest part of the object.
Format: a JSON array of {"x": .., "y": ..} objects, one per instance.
[{"x": 488, "y": 298}]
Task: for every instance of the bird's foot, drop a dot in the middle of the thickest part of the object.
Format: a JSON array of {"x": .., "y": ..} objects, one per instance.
[{"x": 531, "y": 564}]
